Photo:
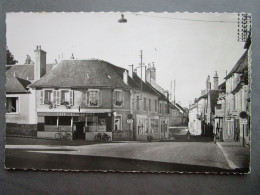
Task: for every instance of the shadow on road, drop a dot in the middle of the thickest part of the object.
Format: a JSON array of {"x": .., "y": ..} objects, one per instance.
[{"x": 20, "y": 159}]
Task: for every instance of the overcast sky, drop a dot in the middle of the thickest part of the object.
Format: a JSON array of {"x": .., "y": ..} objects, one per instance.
[{"x": 184, "y": 47}]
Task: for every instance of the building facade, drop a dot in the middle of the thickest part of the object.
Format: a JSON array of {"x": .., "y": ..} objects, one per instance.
[
  {"x": 20, "y": 99},
  {"x": 232, "y": 118}
]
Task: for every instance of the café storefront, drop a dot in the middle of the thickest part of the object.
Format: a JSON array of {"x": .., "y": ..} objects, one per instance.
[{"x": 78, "y": 125}]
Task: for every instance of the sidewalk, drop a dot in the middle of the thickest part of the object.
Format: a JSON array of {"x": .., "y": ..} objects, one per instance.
[{"x": 238, "y": 157}]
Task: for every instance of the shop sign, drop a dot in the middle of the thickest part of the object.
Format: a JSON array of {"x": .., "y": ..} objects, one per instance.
[
  {"x": 243, "y": 121},
  {"x": 129, "y": 121},
  {"x": 62, "y": 114},
  {"x": 102, "y": 127}
]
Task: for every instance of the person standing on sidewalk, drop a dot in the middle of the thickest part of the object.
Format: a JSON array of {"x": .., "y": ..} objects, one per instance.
[{"x": 188, "y": 135}]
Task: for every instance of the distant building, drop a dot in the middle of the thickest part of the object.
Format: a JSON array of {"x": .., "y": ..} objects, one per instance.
[
  {"x": 201, "y": 112},
  {"x": 20, "y": 101}
]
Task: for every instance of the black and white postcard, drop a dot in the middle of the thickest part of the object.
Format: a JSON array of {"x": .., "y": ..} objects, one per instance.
[{"x": 130, "y": 92}]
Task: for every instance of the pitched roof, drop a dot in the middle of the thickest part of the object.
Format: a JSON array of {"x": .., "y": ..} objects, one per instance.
[
  {"x": 24, "y": 71},
  {"x": 16, "y": 85},
  {"x": 180, "y": 107},
  {"x": 82, "y": 74},
  {"x": 240, "y": 66}
]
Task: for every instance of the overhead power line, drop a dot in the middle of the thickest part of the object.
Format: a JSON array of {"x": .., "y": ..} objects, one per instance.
[{"x": 185, "y": 19}]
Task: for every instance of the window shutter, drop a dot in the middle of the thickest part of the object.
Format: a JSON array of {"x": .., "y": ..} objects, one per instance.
[
  {"x": 100, "y": 98},
  {"x": 58, "y": 97},
  {"x": 42, "y": 97},
  {"x": 114, "y": 97},
  {"x": 123, "y": 99},
  {"x": 71, "y": 97},
  {"x": 87, "y": 98},
  {"x": 55, "y": 96}
]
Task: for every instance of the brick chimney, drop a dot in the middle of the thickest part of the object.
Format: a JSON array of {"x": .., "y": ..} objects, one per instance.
[
  {"x": 40, "y": 63},
  {"x": 215, "y": 81}
]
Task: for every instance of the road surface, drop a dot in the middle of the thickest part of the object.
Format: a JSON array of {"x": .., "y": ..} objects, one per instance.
[{"x": 124, "y": 156}]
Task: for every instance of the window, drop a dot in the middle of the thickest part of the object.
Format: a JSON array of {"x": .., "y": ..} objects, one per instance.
[
  {"x": 92, "y": 123},
  {"x": 47, "y": 96},
  {"x": 118, "y": 123},
  {"x": 154, "y": 125},
  {"x": 94, "y": 98},
  {"x": 12, "y": 105},
  {"x": 137, "y": 102},
  {"x": 65, "y": 120},
  {"x": 65, "y": 96},
  {"x": 57, "y": 97},
  {"x": 144, "y": 104},
  {"x": 155, "y": 105},
  {"x": 142, "y": 126},
  {"x": 118, "y": 97},
  {"x": 161, "y": 107},
  {"x": 150, "y": 105},
  {"x": 50, "y": 120}
]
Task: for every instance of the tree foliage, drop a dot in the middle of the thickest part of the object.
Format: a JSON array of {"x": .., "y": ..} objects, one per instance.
[{"x": 10, "y": 58}]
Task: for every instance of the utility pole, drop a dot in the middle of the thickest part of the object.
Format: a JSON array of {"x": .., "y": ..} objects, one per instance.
[
  {"x": 174, "y": 92},
  {"x": 171, "y": 92},
  {"x": 141, "y": 56},
  {"x": 141, "y": 66}
]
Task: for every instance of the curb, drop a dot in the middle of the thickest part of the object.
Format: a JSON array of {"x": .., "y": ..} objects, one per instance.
[{"x": 230, "y": 162}]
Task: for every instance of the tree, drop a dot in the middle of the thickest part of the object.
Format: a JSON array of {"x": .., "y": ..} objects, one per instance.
[{"x": 10, "y": 58}]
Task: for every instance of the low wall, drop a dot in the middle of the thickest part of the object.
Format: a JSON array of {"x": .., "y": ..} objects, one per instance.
[
  {"x": 48, "y": 134},
  {"x": 89, "y": 136},
  {"x": 122, "y": 135},
  {"x": 21, "y": 129}
]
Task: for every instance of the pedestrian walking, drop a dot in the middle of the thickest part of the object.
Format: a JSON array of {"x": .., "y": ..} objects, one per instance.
[{"x": 188, "y": 135}]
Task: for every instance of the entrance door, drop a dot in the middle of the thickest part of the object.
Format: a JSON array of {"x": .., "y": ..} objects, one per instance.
[{"x": 79, "y": 132}]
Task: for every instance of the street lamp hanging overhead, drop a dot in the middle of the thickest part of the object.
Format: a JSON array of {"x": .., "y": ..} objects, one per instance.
[{"x": 122, "y": 19}]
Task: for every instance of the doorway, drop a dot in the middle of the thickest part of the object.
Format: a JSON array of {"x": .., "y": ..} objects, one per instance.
[{"x": 79, "y": 130}]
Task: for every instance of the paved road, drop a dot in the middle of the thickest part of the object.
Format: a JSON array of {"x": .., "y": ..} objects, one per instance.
[{"x": 127, "y": 156}]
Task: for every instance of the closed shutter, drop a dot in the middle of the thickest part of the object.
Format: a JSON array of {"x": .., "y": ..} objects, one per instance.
[
  {"x": 123, "y": 99},
  {"x": 58, "y": 97},
  {"x": 100, "y": 98},
  {"x": 42, "y": 97},
  {"x": 114, "y": 97},
  {"x": 54, "y": 96},
  {"x": 71, "y": 97},
  {"x": 87, "y": 98}
]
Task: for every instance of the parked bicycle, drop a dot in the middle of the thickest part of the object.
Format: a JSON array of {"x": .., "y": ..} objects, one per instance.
[
  {"x": 102, "y": 137},
  {"x": 63, "y": 135}
]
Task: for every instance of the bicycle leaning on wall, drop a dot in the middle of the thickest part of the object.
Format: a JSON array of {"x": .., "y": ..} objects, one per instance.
[{"x": 62, "y": 134}]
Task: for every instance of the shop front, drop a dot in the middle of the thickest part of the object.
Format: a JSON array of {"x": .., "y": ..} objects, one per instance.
[
  {"x": 164, "y": 127},
  {"x": 73, "y": 125},
  {"x": 147, "y": 125}
]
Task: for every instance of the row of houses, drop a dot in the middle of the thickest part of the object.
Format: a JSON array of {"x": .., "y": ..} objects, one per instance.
[
  {"x": 223, "y": 112},
  {"x": 86, "y": 97}
]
